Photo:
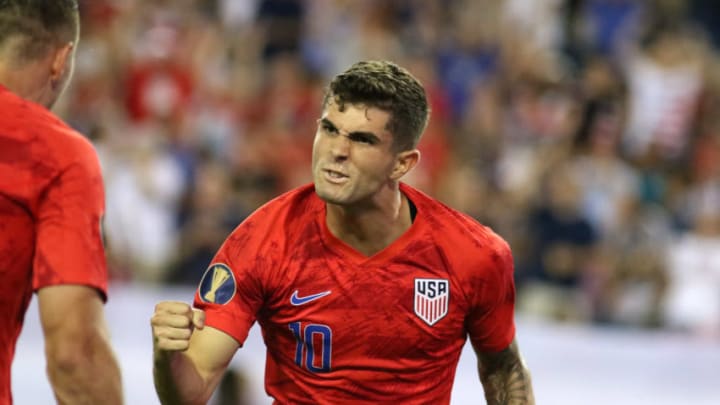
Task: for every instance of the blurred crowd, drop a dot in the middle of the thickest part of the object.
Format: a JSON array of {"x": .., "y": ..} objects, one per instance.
[{"x": 585, "y": 132}]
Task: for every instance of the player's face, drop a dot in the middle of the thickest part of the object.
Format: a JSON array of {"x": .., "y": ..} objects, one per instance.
[{"x": 352, "y": 153}]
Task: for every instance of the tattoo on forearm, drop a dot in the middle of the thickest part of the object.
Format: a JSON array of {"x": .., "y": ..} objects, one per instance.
[
  {"x": 505, "y": 379},
  {"x": 510, "y": 387}
]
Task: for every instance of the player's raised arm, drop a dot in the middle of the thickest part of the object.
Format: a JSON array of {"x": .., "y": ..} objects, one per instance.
[
  {"x": 189, "y": 359},
  {"x": 504, "y": 376}
]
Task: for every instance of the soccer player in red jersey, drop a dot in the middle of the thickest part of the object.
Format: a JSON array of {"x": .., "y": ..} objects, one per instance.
[
  {"x": 51, "y": 202},
  {"x": 365, "y": 288}
]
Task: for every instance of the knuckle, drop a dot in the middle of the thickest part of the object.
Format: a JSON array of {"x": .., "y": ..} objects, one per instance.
[
  {"x": 172, "y": 345},
  {"x": 155, "y": 320}
]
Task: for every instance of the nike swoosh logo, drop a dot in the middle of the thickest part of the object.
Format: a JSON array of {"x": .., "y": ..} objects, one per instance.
[{"x": 295, "y": 300}]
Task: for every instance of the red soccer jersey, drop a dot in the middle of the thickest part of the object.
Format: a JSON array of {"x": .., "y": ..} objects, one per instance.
[
  {"x": 344, "y": 328},
  {"x": 51, "y": 202}
]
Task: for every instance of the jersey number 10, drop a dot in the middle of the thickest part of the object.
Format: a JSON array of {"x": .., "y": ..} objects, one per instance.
[{"x": 314, "y": 342}]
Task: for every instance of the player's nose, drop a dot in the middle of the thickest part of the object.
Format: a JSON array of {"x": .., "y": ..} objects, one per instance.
[{"x": 340, "y": 147}]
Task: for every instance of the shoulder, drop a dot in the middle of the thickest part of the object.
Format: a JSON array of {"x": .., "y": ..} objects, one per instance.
[
  {"x": 453, "y": 225},
  {"x": 67, "y": 145},
  {"x": 51, "y": 141},
  {"x": 278, "y": 220},
  {"x": 464, "y": 241},
  {"x": 294, "y": 206}
]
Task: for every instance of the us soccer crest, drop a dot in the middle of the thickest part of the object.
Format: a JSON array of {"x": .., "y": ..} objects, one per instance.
[{"x": 431, "y": 299}]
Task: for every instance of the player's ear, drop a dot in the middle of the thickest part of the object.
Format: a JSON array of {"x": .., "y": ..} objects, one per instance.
[
  {"x": 404, "y": 162},
  {"x": 61, "y": 61}
]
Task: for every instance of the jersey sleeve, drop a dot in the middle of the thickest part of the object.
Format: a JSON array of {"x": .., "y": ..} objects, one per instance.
[
  {"x": 69, "y": 246},
  {"x": 230, "y": 292},
  {"x": 491, "y": 323}
]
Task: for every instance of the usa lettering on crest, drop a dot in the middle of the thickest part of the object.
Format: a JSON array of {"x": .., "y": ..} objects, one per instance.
[{"x": 431, "y": 299}]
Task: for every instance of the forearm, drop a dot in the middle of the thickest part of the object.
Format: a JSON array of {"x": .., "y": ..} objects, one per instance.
[
  {"x": 176, "y": 380},
  {"x": 511, "y": 386},
  {"x": 506, "y": 379},
  {"x": 86, "y": 375},
  {"x": 188, "y": 358}
]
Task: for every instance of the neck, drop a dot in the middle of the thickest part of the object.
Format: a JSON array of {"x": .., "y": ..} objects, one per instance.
[
  {"x": 30, "y": 80},
  {"x": 372, "y": 227}
]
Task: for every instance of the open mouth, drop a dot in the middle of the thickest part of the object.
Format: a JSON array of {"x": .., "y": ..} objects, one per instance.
[
  {"x": 334, "y": 174},
  {"x": 335, "y": 177}
]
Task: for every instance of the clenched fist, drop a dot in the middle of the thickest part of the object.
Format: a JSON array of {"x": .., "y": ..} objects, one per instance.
[{"x": 173, "y": 323}]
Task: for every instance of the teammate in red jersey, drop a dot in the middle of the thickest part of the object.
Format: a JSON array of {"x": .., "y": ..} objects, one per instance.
[
  {"x": 365, "y": 288},
  {"x": 51, "y": 202}
]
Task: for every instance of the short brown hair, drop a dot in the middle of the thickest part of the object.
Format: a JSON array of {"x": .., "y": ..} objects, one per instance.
[
  {"x": 389, "y": 87},
  {"x": 39, "y": 24}
]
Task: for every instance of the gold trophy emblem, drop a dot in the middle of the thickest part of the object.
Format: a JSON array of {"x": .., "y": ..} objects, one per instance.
[{"x": 220, "y": 275}]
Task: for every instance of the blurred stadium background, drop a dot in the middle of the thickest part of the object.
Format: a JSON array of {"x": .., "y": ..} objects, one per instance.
[{"x": 585, "y": 132}]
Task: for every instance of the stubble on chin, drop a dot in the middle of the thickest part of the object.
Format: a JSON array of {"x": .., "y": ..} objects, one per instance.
[{"x": 330, "y": 196}]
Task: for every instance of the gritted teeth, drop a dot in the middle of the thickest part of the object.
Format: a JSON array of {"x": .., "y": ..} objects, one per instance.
[{"x": 335, "y": 174}]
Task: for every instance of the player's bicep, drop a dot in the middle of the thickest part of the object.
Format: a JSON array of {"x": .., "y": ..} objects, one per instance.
[
  {"x": 230, "y": 296},
  {"x": 210, "y": 351},
  {"x": 491, "y": 321},
  {"x": 492, "y": 360},
  {"x": 69, "y": 247}
]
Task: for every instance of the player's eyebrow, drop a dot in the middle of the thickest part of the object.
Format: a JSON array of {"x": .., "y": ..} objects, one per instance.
[
  {"x": 365, "y": 135},
  {"x": 327, "y": 123}
]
